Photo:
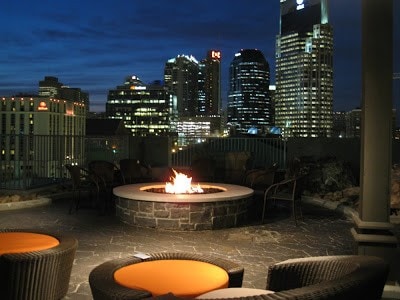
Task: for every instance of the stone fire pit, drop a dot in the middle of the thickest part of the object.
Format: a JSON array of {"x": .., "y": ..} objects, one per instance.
[{"x": 226, "y": 208}]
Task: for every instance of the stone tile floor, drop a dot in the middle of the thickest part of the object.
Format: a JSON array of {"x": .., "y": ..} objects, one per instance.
[{"x": 254, "y": 246}]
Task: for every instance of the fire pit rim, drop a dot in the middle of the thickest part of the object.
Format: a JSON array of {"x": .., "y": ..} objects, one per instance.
[{"x": 137, "y": 192}]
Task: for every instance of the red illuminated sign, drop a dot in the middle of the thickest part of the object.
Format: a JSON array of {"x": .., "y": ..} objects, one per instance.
[
  {"x": 215, "y": 54},
  {"x": 42, "y": 106}
]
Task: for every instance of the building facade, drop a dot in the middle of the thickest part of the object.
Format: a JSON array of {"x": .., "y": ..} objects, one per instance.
[
  {"x": 209, "y": 102},
  {"x": 339, "y": 124},
  {"x": 39, "y": 135},
  {"x": 51, "y": 87},
  {"x": 249, "y": 101},
  {"x": 181, "y": 81},
  {"x": 354, "y": 121},
  {"x": 145, "y": 108},
  {"x": 194, "y": 130},
  {"x": 304, "y": 69}
]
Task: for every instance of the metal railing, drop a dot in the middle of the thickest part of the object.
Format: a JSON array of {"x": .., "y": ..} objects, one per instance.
[
  {"x": 31, "y": 161},
  {"x": 262, "y": 152}
]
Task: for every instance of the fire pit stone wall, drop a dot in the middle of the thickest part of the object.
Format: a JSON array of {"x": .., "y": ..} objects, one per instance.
[{"x": 182, "y": 216}]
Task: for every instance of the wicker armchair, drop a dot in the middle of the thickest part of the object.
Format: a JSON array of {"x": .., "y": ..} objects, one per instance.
[
  {"x": 326, "y": 277},
  {"x": 103, "y": 285},
  {"x": 38, "y": 275}
]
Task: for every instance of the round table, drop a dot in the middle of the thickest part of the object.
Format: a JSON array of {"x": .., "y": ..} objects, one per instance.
[{"x": 183, "y": 278}]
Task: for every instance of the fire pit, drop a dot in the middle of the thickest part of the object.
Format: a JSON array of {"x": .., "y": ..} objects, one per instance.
[{"x": 144, "y": 204}]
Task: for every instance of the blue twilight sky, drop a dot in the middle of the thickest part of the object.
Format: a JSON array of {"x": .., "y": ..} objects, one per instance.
[{"x": 94, "y": 45}]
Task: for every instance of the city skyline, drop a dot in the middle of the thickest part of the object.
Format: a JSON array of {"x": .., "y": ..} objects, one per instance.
[{"x": 93, "y": 47}]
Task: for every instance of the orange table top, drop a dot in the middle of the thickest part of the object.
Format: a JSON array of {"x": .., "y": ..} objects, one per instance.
[
  {"x": 184, "y": 278},
  {"x": 18, "y": 242}
]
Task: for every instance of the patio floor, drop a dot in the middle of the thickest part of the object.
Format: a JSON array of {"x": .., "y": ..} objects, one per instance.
[{"x": 255, "y": 246}]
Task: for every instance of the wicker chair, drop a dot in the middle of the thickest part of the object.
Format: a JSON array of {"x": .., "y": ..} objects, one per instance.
[
  {"x": 132, "y": 171},
  {"x": 326, "y": 277},
  {"x": 103, "y": 285},
  {"x": 38, "y": 275},
  {"x": 82, "y": 180},
  {"x": 287, "y": 190},
  {"x": 109, "y": 175}
]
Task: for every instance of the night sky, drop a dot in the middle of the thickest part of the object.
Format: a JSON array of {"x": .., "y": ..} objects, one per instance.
[{"x": 94, "y": 45}]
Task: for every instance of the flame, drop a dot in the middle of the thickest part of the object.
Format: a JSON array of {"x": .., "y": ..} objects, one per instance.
[{"x": 181, "y": 184}]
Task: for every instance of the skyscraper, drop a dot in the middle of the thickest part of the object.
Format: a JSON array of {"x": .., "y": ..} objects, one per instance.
[
  {"x": 143, "y": 107},
  {"x": 249, "y": 102},
  {"x": 210, "y": 84},
  {"x": 304, "y": 69},
  {"x": 181, "y": 80}
]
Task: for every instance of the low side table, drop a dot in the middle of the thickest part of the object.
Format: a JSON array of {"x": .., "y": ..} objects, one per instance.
[
  {"x": 183, "y": 278},
  {"x": 182, "y": 274},
  {"x": 35, "y": 265}
]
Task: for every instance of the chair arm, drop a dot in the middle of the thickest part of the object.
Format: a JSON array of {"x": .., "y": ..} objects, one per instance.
[
  {"x": 348, "y": 275},
  {"x": 103, "y": 286}
]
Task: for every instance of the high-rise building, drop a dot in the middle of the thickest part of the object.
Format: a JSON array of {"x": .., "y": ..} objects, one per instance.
[
  {"x": 181, "y": 80},
  {"x": 353, "y": 123},
  {"x": 304, "y": 69},
  {"x": 51, "y": 87},
  {"x": 37, "y": 133},
  {"x": 249, "y": 102},
  {"x": 339, "y": 124},
  {"x": 145, "y": 108},
  {"x": 209, "y": 102}
]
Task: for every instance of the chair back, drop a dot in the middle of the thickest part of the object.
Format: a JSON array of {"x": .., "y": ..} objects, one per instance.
[
  {"x": 131, "y": 170},
  {"x": 76, "y": 175},
  {"x": 329, "y": 277},
  {"x": 103, "y": 169},
  {"x": 203, "y": 169}
]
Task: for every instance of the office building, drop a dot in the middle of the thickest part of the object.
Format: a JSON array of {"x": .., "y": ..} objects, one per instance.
[
  {"x": 304, "y": 69},
  {"x": 145, "y": 108},
  {"x": 249, "y": 101},
  {"x": 181, "y": 80},
  {"x": 339, "y": 124},
  {"x": 194, "y": 130},
  {"x": 354, "y": 121},
  {"x": 51, "y": 87},
  {"x": 209, "y": 102}
]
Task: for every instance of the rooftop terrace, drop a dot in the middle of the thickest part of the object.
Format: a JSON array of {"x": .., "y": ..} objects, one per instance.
[{"x": 322, "y": 231}]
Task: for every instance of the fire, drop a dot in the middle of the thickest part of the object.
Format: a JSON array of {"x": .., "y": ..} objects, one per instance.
[{"x": 181, "y": 184}]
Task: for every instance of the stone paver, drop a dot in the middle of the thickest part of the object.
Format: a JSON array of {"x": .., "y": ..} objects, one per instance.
[{"x": 101, "y": 238}]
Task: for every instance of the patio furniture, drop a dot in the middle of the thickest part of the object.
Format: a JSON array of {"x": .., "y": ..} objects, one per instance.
[
  {"x": 82, "y": 180},
  {"x": 156, "y": 274},
  {"x": 35, "y": 265},
  {"x": 203, "y": 169},
  {"x": 109, "y": 177},
  {"x": 233, "y": 293},
  {"x": 286, "y": 190},
  {"x": 260, "y": 179},
  {"x": 132, "y": 171},
  {"x": 324, "y": 277}
]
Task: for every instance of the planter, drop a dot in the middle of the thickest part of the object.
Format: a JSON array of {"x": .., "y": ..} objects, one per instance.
[{"x": 24, "y": 204}]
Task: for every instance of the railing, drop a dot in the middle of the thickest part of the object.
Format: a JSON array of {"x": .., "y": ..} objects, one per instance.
[
  {"x": 262, "y": 152},
  {"x": 30, "y": 161}
]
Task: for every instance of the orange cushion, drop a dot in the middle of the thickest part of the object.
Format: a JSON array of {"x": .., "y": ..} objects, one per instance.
[
  {"x": 17, "y": 242},
  {"x": 184, "y": 278}
]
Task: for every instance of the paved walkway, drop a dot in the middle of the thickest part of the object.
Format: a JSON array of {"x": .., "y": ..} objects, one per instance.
[{"x": 321, "y": 232}]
